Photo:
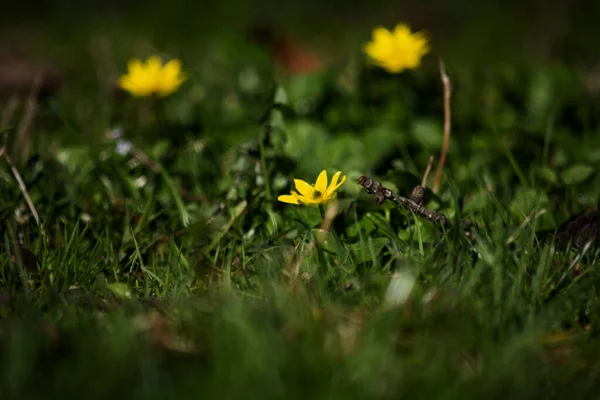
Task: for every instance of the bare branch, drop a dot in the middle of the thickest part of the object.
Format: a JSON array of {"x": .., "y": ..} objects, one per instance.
[
  {"x": 382, "y": 194},
  {"x": 427, "y": 171},
  {"x": 8, "y": 111},
  {"x": 447, "y": 93},
  {"x": 17, "y": 175},
  {"x": 22, "y": 142},
  {"x": 23, "y": 129}
]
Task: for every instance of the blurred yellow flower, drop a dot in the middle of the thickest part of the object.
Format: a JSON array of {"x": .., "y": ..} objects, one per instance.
[
  {"x": 398, "y": 50},
  {"x": 152, "y": 78},
  {"x": 313, "y": 195}
]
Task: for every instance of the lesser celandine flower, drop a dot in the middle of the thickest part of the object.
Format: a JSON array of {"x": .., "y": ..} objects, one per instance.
[
  {"x": 313, "y": 195},
  {"x": 397, "y": 50},
  {"x": 152, "y": 78}
]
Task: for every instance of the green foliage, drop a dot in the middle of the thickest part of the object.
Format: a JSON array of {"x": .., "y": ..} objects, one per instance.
[{"x": 165, "y": 268}]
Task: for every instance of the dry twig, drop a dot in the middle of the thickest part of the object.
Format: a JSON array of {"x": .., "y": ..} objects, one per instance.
[
  {"x": 427, "y": 171},
  {"x": 325, "y": 226},
  {"x": 382, "y": 194},
  {"x": 447, "y": 93},
  {"x": 17, "y": 176},
  {"x": 23, "y": 129},
  {"x": 8, "y": 112},
  {"x": 413, "y": 204},
  {"x": 22, "y": 143}
]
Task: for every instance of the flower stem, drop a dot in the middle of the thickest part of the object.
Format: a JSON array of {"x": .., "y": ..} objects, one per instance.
[
  {"x": 158, "y": 109},
  {"x": 263, "y": 167},
  {"x": 322, "y": 210}
]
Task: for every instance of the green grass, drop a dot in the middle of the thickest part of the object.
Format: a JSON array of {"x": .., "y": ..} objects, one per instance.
[{"x": 185, "y": 278}]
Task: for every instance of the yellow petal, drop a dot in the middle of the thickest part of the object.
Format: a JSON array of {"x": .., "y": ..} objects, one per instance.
[
  {"x": 329, "y": 199},
  {"x": 142, "y": 79},
  {"x": 397, "y": 50},
  {"x": 125, "y": 82},
  {"x": 380, "y": 34},
  {"x": 288, "y": 198},
  {"x": 304, "y": 188},
  {"x": 402, "y": 31},
  {"x": 153, "y": 63},
  {"x": 321, "y": 184},
  {"x": 377, "y": 50},
  {"x": 393, "y": 67},
  {"x": 134, "y": 66},
  {"x": 172, "y": 69},
  {"x": 171, "y": 78},
  {"x": 133, "y": 86},
  {"x": 371, "y": 50},
  {"x": 334, "y": 184},
  {"x": 421, "y": 43},
  {"x": 381, "y": 43},
  {"x": 334, "y": 180},
  {"x": 341, "y": 183},
  {"x": 308, "y": 201}
]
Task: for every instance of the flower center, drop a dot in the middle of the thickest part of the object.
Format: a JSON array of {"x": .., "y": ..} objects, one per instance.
[{"x": 316, "y": 194}]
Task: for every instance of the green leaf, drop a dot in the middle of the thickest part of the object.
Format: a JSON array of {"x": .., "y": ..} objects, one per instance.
[
  {"x": 399, "y": 289},
  {"x": 428, "y": 132},
  {"x": 160, "y": 150},
  {"x": 365, "y": 251},
  {"x": 235, "y": 212},
  {"x": 477, "y": 202},
  {"x": 577, "y": 173},
  {"x": 421, "y": 230},
  {"x": 528, "y": 200},
  {"x": 548, "y": 174},
  {"x": 120, "y": 290},
  {"x": 308, "y": 215},
  {"x": 325, "y": 240},
  {"x": 185, "y": 217},
  {"x": 281, "y": 96},
  {"x": 277, "y": 119},
  {"x": 379, "y": 221}
]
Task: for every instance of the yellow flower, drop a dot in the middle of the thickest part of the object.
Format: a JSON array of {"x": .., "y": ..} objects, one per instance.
[
  {"x": 152, "y": 78},
  {"x": 313, "y": 195},
  {"x": 397, "y": 50}
]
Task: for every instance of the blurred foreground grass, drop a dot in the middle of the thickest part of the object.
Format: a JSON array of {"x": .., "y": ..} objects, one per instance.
[{"x": 168, "y": 270}]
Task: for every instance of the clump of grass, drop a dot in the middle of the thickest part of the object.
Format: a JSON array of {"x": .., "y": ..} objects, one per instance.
[{"x": 157, "y": 263}]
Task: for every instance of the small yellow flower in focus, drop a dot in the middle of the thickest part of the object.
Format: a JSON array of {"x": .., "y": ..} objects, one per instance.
[
  {"x": 313, "y": 195},
  {"x": 152, "y": 78},
  {"x": 398, "y": 50}
]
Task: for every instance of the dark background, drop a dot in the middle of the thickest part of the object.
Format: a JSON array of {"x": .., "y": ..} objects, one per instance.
[{"x": 485, "y": 31}]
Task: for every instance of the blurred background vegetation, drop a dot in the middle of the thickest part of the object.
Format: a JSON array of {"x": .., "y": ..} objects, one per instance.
[
  {"x": 477, "y": 32},
  {"x": 84, "y": 46},
  {"x": 126, "y": 299}
]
